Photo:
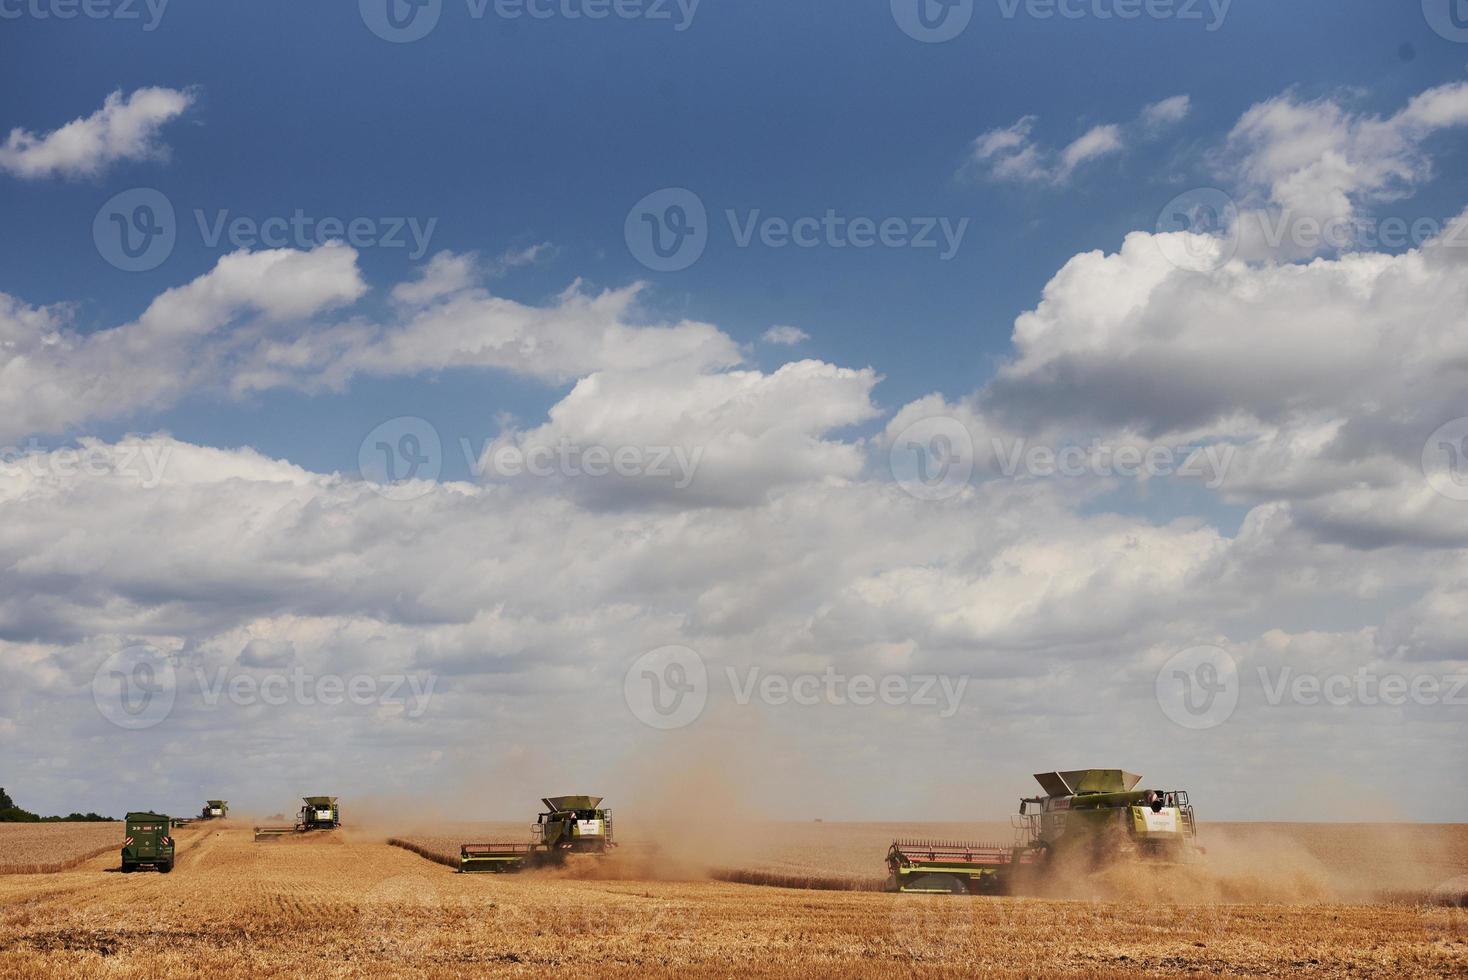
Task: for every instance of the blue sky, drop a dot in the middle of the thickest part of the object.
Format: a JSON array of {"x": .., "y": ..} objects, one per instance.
[
  {"x": 513, "y": 132},
  {"x": 863, "y": 499}
]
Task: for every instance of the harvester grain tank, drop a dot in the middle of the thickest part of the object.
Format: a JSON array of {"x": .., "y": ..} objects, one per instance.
[
  {"x": 569, "y": 825},
  {"x": 147, "y": 842},
  {"x": 1087, "y": 817}
]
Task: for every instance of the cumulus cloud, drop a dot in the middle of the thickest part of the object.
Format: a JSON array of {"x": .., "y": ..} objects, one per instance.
[
  {"x": 1319, "y": 161},
  {"x": 223, "y": 332},
  {"x": 726, "y": 438},
  {"x": 125, "y": 128},
  {"x": 53, "y": 375}
]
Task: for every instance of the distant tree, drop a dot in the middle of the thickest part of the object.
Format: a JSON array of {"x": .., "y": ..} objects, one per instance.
[{"x": 10, "y": 813}]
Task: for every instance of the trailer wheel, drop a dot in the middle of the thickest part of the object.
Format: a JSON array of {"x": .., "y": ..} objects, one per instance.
[
  {"x": 165, "y": 867},
  {"x": 128, "y": 869}
]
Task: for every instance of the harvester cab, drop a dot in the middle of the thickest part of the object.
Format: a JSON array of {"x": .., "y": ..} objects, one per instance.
[
  {"x": 569, "y": 825},
  {"x": 319, "y": 813},
  {"x": 148, "y": 842}
]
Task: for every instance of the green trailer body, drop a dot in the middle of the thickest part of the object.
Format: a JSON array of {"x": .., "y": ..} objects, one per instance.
[
  {"x": 147, "y": 842},
  {"x": 569, "y": 825},
  {"x": 1087, "y": 817}
]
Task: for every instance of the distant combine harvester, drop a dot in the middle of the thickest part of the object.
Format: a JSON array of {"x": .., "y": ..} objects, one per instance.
[{"x": 317, "y": 813}]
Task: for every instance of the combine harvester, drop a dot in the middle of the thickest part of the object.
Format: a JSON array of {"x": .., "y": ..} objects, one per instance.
[
  {"x": 570, "y": 825},
  {"x": 214, "y": 810},
  {"x": 1087, "y": 818},
  {"x": 317, "y": 813}
]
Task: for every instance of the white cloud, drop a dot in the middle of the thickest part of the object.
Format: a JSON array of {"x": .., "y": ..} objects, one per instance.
[
  {"x": 223, "y": 332},
  {"x": 125, "y": 128},
  {"x": 1099, "y": 141},
  {"x": 1317, "y": 160},
  {"x": 1011, "y": 153},
  {"x": 53, "y": 376},
  {"x": 745, "y": 433},
  {"x": 785, "y": 336},
  {"x": 1167, "y": 112}
]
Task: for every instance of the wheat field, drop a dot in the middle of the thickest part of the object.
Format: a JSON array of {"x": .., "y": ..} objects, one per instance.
[
  {"x": 41, "y": 848},
  {"x": 346, "y": 904}
]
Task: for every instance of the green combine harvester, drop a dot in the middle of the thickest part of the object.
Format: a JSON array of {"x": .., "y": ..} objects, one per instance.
[
  {"x": 570, "y": 825},
  {"x": 1087, "y": 818},
  {"x": 148, "y": 842},
  {"x": 215, "y": 810},
  {"x": 317, "y": 813}
]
